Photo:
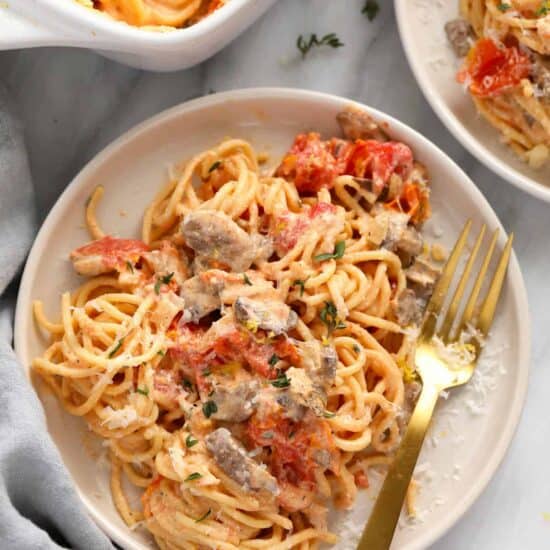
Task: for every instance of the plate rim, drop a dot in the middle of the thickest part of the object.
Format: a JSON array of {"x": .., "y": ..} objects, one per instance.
[
  {"x": 514, "y": 277},
  {"x": 474, "y": 146}
]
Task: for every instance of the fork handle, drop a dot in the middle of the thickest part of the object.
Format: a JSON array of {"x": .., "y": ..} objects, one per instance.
[{"x": 379, "y": 531}]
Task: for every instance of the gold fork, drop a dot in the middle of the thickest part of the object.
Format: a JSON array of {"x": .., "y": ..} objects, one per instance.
[{"x": 436, "y": 373}]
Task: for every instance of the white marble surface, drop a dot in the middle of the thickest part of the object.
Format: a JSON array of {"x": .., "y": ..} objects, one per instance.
[{"x": 74, "y": 103}]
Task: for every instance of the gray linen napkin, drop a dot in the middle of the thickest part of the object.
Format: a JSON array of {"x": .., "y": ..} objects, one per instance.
[{"x": 38, "y": 503}]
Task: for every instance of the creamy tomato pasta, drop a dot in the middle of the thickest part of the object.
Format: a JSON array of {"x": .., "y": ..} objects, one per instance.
[
  {"x": 507, "y": 69},
  {"x": 156, "y": 13},
  {"x": 248, "y": 361}
]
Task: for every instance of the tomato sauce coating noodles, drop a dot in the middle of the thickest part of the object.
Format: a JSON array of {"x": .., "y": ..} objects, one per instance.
[{"x": 248, "y": 360}]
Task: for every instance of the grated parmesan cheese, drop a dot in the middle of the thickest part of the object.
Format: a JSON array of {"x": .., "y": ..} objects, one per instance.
[{"x": 120, "y": 418}]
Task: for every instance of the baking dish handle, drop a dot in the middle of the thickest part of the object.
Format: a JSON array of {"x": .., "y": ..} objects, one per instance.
[{"x": 17, "y": 31}]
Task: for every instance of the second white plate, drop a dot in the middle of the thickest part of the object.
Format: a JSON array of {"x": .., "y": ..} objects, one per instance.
[{"x": 421, "y": 26}]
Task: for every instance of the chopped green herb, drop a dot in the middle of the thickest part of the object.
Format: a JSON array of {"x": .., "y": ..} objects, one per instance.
[
  {"x": 281, "y": 381},
  {"x": 203, "y": 517},
  {"x": 356, "y": 348},
  {"x": 193, "y": 476},
  {"x": 209, "y": 408},
  {"x": 503, "y": 7},
  {"x": 273, "y": 360},
  {"x": 371, "y": 9},
  {"x": 215, "y": 166},
  {"x": 186, "y": 384},
  {"x": 167, "y": 278},
  {"x": 130, "y": 267},
  {"x": 164, "y": 280},
  {"x": 161, "y": 352},
  {"x": 328, "y": 414},
  {"x": 304, "y": 45},
  {"x": 339, "y": 249},
  {"x": 302, "y": 284},
  {"x": 190, "y": 441},
  {"x": 329, "y": 316},
  {"x": 544, "y": 8},
  {"x": 116, "y": 348},
  {"x": 247, "y": 281},
  {"x": 143, "y": 391}
]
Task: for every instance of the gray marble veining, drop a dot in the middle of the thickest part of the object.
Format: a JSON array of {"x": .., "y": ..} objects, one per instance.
[{"x": 75, "y": 102}]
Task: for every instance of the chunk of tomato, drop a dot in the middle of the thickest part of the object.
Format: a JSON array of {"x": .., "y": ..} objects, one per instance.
[
  {"x": 310, "y": 164},
  {"x": 109, "y": 253},
  {"x": 294, "y": 446},
  {"x": 239, "y": 345},
  {"x": 377, "y": 161},
  {"x": 492, "y": 69},
  {"x": 413, "y": 201}
]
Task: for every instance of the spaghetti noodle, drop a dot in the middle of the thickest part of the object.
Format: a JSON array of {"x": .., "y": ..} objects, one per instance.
[
  {"x": 247, "y": 361},
  {"x": 156, "y": 13},
  {"x": 507, "y": 70}
]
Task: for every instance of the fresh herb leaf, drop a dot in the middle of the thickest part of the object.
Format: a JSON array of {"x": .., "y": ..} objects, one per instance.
[
  {"x": 273, "y": 360},
  {"x": 503, "y": 7},
  {"x": 247, "y": 281},
  {"x": 328, "y": 414},
  {"x": 371, "y": 9},
  {"x": 304, "y": 45},
  {"x": 339, "y": 249},
  {"x": 544, "y": 9},
  {"x": 130, "y": 266},
  {"x": 161, "y": 352},
  {"x": 164, "y": 280},
  {"x": 143, "y": 391},
  {"x": 116, "y": 348},
  {"x": 203, "y": 517},
  {"x": 209, "y": 408},
  {"x": 167, "y": 278},
  {"x": 190, "y": 441},
  {"x": 193, "y": 476},
  {"x": 329, "y": 316},
  {"x": 302, "y": 284},
  {"x": 281, "y": 381},
  {"x": 186, "y": 384},
  {"x": 356, "y": 348},
  {"x": 215, "y": 166}
]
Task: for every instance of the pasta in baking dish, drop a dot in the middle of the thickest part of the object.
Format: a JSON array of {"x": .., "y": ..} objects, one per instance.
[
  {"x": 249, "y": 359},
  {"x": 156, "y": 13},
  {"x": 507, "y": 69}
]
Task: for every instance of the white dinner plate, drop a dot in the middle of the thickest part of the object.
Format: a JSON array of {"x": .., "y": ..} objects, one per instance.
[
  {"x": 473, "y": 427},
  {"x": 434, "y": 64}
]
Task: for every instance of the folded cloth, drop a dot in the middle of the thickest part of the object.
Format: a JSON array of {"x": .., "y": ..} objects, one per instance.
[{"x": 39, "y": 507}]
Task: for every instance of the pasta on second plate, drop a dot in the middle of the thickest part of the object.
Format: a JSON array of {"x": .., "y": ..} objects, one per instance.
[
  {"x": 507, "y": 69},
  {"x": 248, "y": 360}
]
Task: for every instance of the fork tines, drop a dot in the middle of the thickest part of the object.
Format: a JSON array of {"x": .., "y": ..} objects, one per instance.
[{"x": 486, "y": 314}]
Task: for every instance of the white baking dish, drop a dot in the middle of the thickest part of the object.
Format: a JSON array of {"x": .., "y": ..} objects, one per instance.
[{"x": 33, "y": 23}]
